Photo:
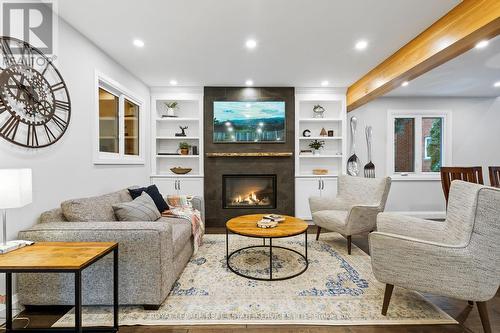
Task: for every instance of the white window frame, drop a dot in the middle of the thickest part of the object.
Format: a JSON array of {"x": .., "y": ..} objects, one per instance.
[
  {"x": 418, "y": 115},
  {"x": 113, "y": 87},
  {"x": 427, "y": 142}
]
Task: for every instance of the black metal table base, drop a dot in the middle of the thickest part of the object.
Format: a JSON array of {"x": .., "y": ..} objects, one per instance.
[
  {"x": 78, "y": 299},
  {"x": 270, "y": 247}
]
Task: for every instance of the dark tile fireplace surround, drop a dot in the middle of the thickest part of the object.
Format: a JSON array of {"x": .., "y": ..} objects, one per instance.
[{"x": 239, "y": 185}]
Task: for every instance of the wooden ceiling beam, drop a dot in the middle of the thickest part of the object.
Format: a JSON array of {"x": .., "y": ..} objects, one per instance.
[{"x": 453, "y": 34}]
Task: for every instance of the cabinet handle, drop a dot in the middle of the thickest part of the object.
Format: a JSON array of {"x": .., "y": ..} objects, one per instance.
[
  {"x": 322, "y": 184},
  {"x": 179, "y": 185},
  {"x": 319, "y": 184},
  {"x": 176, "y": 184}
]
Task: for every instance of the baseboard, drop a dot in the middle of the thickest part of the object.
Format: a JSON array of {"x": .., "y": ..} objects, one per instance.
[
  {"x": 16, "y": 309},
  {"x": 437, "y": 215}
]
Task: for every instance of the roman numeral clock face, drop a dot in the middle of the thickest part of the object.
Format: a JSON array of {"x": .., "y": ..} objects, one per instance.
[{"x": 35, "y": 108}]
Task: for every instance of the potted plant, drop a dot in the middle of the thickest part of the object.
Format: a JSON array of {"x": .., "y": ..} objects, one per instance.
[
  {"x": 316, "y": 145},
  {"x": 171, "y": 106},
  {"x": 184, "y": 148}
]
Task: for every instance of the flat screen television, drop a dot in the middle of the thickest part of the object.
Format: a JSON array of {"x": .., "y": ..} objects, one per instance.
[{"x": 248, "y": 122}]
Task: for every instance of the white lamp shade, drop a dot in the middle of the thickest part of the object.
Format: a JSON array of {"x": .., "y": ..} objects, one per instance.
[{"x": 15, "y": 188}]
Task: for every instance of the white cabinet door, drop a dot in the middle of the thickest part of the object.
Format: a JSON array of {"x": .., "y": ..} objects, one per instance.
[
  {"x": 191, "y": 186},
  {"x": 329, "y": 187},
  {"x": 305, "y": 188},
  {"x": 165, "y": 185}
]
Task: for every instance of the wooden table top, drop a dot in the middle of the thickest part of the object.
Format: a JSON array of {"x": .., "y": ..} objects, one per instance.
[
  {"x": 55, "y": 255},
  {"x": 246, "y": 225}
]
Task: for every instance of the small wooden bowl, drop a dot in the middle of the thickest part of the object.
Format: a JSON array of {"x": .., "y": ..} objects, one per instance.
[
  {"x": 180, "y": 171},
  {"x": 320, "y": 171}
]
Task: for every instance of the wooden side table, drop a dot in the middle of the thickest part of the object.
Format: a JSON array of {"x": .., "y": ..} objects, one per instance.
[{"x": 59, "y": 257}]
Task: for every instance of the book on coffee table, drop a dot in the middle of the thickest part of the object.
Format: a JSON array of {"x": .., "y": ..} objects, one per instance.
[{"x": 274, "y": 217}]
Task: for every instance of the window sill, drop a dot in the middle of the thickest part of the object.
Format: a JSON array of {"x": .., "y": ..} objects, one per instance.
[{"x": 400, "y": 178}]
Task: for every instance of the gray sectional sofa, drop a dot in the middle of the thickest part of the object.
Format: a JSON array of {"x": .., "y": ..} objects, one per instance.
[{"x": 152, "y": 255}]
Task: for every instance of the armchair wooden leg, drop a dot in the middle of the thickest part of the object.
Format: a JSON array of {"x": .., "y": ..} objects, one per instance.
[
  {"x": 318, "y": 232},
  {"x": 387, "y": 298},
  {"x": 349, "y": 241},
  {"x": 483, "y": 313},
  {"x": 471, "y": 303}
]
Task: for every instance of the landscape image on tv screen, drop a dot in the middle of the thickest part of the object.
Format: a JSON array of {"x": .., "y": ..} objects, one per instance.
[{"x": 249, "y": 122}]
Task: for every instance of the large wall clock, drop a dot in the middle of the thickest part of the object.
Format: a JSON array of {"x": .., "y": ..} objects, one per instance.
[{"x": 35, "y": 107}]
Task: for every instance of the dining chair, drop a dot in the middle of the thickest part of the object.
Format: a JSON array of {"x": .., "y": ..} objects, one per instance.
[
  {"x": 467, "y": 174},
  {"x": 494, "y": 176}
]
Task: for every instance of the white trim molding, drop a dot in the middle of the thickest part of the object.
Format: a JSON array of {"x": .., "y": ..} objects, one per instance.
[
  {"x": 447, "y": 144},
  {"x": 105, "y": 82}
]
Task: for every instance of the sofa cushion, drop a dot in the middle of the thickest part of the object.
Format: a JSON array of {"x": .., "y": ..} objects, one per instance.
[
  {"x": 181, "y": 234},
  {"x": 98, "y": 208},
  {"x": 153, "y": 192},
  {"x": 142, "y": 208}
]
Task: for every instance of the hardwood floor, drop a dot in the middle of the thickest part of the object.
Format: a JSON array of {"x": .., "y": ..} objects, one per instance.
[{"x": 467, "y": 316}]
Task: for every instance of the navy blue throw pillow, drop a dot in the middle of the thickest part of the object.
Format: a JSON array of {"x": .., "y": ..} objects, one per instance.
[{"x": 153, "y": 192}]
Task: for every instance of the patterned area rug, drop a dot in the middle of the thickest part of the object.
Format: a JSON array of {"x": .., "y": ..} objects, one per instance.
[{"x": 337, "y": 289}]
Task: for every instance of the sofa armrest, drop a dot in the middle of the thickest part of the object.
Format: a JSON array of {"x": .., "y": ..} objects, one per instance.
[
  {"x": 199, "y": 204},
  {"x": 393, "y": 223},
  {"x": 362, "y": 218}
]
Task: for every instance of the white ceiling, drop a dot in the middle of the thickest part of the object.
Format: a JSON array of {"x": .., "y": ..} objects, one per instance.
[
  {"x": 300, "y": 42},
  {"x": 471, "y": 74}
]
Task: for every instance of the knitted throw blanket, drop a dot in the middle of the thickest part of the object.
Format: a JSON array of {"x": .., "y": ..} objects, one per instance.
[{"x": 180, "y": 207}]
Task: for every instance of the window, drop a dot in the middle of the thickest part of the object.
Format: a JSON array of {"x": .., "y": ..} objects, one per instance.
[
  {"x": 417, "y": 143},
  {"x": 119, "y": 134}
]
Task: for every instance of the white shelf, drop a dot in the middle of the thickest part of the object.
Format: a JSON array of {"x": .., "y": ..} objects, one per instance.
[
  {"x": 177, "y": 156},
  {"x": 172, "y": 119},
  {"x": 319, "y": 119},
  {"x": 178, "y": 137},
  {"x": 320, "y": 138},
  {"x": 320, "y": 156}
]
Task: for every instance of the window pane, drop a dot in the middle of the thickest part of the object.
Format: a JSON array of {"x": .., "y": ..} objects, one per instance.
[
  {"x": 404, "y": 145},
  {"x": 131, "y": 128},
  {"x": 432, "y": 140},
  {"x": 108, "y": 122}
]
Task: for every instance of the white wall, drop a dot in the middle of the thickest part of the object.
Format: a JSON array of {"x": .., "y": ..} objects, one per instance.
[
  {"x": 476, "y": 135},
  {"x": 65, "y": 170}
]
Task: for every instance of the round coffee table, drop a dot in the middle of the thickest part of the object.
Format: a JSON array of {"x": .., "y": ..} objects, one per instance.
[{"x": 246, "y": 225}]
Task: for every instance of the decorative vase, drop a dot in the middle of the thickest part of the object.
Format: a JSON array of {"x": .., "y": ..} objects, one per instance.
[
  {"x": 316, "y": 152},
  {"x": 318, "y": 111},
  {"x": 170, "y": 112},
  {"x": 184, "y": 151}
]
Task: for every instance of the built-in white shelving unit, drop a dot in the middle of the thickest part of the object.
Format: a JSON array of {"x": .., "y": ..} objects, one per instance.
[
  {"x": 332, "y": 157},
  {"x": 189, "y": 113}
]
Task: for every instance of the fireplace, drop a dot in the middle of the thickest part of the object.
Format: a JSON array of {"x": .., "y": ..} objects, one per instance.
[{"x": 249, "y": 191}]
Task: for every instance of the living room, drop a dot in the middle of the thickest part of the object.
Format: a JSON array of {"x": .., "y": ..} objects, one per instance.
[{"x": 250, "y": 165}]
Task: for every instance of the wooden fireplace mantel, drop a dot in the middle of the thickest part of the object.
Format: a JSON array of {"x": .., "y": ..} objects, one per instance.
[{"x": 256, "y": 154}]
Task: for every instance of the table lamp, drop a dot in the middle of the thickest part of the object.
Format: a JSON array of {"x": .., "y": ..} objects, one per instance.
[{"x": 15, "y": 192}]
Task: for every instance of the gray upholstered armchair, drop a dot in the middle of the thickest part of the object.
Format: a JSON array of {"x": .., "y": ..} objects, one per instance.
[
  {"x": 458, "y": 258},
  {"x": 354, "y": 210}
]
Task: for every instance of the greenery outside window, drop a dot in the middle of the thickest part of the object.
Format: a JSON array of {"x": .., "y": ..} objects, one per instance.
[
  {"x": 419, "y": 143},
  {"x": 120, "y": 118}
]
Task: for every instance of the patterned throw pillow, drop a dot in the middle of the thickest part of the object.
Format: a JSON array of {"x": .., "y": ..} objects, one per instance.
[{"x": 142, "y": 208}]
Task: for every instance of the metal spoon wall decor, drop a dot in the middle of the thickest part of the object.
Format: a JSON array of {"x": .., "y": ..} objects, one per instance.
[{"x": 353, "y": 161}]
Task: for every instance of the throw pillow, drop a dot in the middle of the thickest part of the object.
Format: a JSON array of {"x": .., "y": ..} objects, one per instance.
[
  {"x": 94, "y": 209},
  {"x": 178, "y": 201},
  {"x": 153, "y": 192},
  {"x": 142, "y": 208}
]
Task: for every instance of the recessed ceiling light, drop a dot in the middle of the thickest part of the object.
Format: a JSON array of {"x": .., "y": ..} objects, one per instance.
[
  {"x": 496, "y": 84},
  {"x": 251, "y": 44},
  {"x": 361, "y": 45},
  {"x": 249, "y": 83},
  {"x": 405, "y": 83},
  {"x": 138, "y": 43},
  {"x": 482, "y": 44},
  {"x": 325, "y": 83},
  {"x": 173, "y": 82}
]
